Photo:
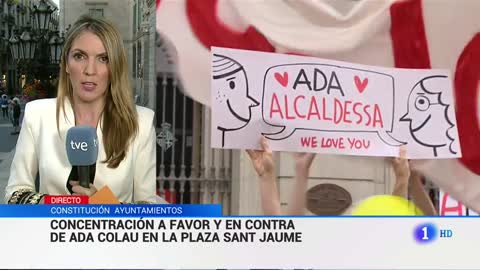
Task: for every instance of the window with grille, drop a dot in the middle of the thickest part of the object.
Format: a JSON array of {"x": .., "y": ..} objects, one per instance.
[{"x": 96, "y": 12}]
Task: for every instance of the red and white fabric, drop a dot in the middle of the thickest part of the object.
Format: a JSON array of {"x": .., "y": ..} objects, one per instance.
[{"x": 392, "y": 33}]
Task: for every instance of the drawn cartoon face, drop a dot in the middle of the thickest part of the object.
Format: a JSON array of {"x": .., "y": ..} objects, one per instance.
[
  {"x": 427, "y": 114},
  {"x": 422, "y": 107},
  {"x": 231, "y": 92}
]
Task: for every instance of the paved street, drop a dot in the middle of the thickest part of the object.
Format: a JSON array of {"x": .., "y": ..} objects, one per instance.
[{"x": 7, "y": 150}]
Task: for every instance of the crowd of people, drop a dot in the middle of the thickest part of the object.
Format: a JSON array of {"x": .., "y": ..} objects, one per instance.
[
  {"x": 11, "y": 110},
  {"x": 408, "y": 183}
]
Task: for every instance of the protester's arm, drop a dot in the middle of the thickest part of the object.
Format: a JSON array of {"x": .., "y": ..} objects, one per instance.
[
  {"x": 298, "y": 199},
  {"x": 264, "y": 165},
  {"x": 402, "y": 174},
  {"x": 420, "y": 196}
]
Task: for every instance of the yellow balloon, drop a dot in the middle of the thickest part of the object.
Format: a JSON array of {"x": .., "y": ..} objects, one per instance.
[{"x": 386, "y": 205}]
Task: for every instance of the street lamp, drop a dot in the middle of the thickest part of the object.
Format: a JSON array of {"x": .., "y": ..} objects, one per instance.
[
  {"x": 14, "y": 45},
  {"x": 27, "y": 45},
  {"x": 41, "y": 15},
  {"x": 55, "y": 45},
  {"x": 3, "y": 45}
]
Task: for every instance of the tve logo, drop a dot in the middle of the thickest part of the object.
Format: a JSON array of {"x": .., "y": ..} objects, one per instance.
[
  {"x": 425, "y": 233},
  {"x": 82, "y": 146}
]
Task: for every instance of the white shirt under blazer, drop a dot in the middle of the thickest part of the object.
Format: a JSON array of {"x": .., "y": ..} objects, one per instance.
[{"x": 40, "y": 148}]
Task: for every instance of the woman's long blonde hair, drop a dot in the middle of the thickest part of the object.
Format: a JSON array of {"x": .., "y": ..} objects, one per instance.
[{"x": 120, "y": 120}]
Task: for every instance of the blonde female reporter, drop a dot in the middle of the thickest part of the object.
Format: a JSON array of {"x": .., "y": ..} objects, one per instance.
[{"x": 93, "y": 90}]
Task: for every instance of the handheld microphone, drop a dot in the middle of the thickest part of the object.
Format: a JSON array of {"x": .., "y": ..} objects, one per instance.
[{"x": 82, "y": 151}]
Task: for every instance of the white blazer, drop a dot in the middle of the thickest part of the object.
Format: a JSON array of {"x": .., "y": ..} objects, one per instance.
[{"x": 41, "y": 149}]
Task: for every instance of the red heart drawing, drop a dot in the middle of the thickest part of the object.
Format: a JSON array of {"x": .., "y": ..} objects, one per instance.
[
  {"x": 282, "y": 79},
  {"x": 361, "y": 85}
]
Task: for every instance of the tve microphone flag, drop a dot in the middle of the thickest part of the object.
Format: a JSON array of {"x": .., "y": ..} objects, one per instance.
[{"x": 82, "y": 151}]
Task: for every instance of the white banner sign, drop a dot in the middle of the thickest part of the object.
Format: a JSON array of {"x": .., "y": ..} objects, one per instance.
[{"x": 309, "y": 104}]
